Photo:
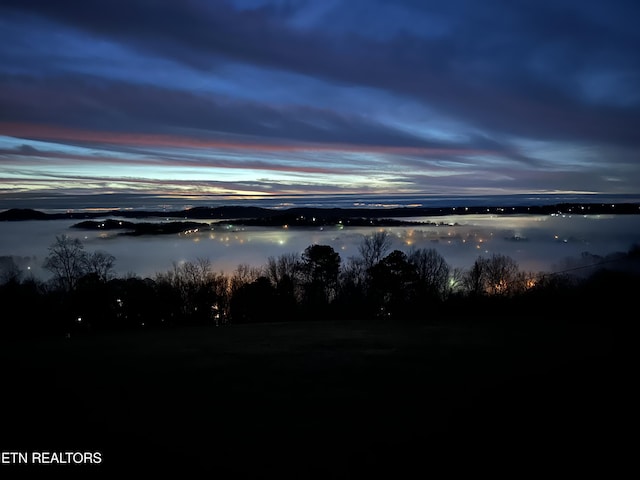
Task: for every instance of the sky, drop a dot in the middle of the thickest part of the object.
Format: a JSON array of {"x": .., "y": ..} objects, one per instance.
[{"x": 252, "y": 98}]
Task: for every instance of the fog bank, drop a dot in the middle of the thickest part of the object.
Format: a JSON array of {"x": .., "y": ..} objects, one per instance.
[{"x": 536, "y": 243}]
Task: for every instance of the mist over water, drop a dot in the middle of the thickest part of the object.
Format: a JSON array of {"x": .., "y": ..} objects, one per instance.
[{"x": 538, "y": 243}]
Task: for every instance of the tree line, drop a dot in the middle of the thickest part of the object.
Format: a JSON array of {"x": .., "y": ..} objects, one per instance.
[{"x": 379, "y": 283}]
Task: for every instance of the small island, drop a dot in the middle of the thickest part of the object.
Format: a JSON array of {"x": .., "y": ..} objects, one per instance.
[{"x": 142, "y": 228}]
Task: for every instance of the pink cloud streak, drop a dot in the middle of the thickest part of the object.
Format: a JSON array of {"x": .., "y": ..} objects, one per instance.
[{"x": 54, "y": 133}]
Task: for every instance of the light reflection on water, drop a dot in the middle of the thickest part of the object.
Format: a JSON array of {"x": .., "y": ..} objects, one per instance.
[{"x": 536, "y": 242}]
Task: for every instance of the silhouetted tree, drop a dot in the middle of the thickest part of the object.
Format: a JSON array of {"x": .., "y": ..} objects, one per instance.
[
  {"x": 202, "y": 292},
  {"x": 502, "y": 275},
  {"x": 243, "y": 274},
  {"x": 84, "y": 292},
  {"x": 284, "y": 265},
  {"x": 25, "y": 307},
  {"x": 393, "y": 282},
  {"x": 256, "y": 301},
  {"x": 284, "y": 273},
  {"x": 352, "y": 293},
  {"x": 66, "y": 261},
  {"x": 474, "y": 279},
  {"x": 9, "y": 270},
  {"x": 353, "y": 273},
  {"x": 168, "y": 306},
  {"x": 497, "y": 275},
  {"x": 101, "y": 264},
  {"x": 432, "y": 271},
  {"x": 90, "y": 302},
  {"x": 374, "y": 247},
  {"x": 614, "y": 290},
  {"x": 456, "y": 280},
  {"x": 139, "y": 302},
  {"x": 320, "y": 268}
]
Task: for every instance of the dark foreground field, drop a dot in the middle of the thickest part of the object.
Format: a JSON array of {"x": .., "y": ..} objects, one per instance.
[{"x": 323, "y": 400}]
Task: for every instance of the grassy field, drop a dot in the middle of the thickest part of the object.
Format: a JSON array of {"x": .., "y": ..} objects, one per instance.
[{"x": 322, "y": 400}]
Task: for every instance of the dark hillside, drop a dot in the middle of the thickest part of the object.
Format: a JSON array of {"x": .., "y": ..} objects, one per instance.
[{"x": 325, "y": 400}]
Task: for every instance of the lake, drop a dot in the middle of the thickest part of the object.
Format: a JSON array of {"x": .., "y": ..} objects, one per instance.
[{"x": 538, "y": 243}]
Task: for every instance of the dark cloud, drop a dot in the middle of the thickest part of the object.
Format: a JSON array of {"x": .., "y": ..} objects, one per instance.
[
  {"x": 27, "y": 150},
  {"x": 504, "y": 66},
  {"x": 429, "y": 96},
  {"x": 117, "y": 106}
]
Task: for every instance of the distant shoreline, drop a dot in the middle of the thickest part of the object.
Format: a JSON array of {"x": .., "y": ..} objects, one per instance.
[
  {"x": 99, "y": 202},
  {"x": 310, "y": 216}
]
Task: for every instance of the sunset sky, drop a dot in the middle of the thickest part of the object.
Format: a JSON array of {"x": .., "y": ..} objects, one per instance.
[{"x": 254, "y": 97}]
